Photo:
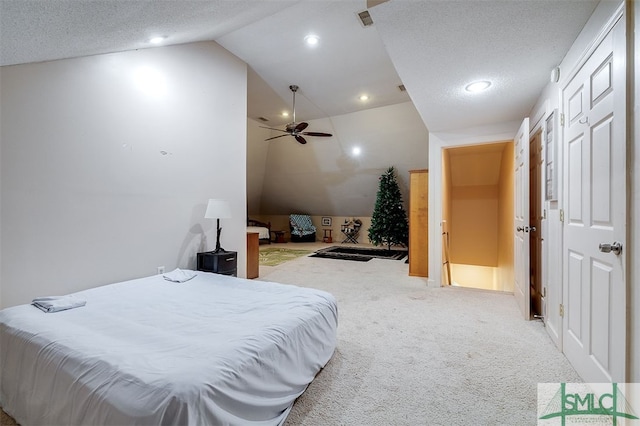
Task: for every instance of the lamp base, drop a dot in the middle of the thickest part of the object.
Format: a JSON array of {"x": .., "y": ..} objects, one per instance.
[{"x": 218, "y": 248}]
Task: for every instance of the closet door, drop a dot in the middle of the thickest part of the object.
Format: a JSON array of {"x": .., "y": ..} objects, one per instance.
[
  {"x": 419, "y": 223},
  {"x": 595, "y": 204}
]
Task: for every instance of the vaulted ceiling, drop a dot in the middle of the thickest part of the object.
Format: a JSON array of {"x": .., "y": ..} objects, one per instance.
[{"x": 434, "y": 48}]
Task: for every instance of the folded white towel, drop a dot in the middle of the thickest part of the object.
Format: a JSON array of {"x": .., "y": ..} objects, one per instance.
[
  {"x": 179, "y": 275},
  {"x": 57, "y": 303}
]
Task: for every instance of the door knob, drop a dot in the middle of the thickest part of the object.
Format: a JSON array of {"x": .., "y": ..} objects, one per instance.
[
  {"x": 526, "y": 228},
  {"x": 616, "y": 248}
]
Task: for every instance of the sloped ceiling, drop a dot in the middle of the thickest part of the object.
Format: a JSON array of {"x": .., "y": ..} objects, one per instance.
[
  {"x": 349, "y": 60},
  {"x": 36, "y": 31},
  {"x": 477, "y": 165},
  {"x": 433, "y": 47},
  {"x": 327, "y": 178}
]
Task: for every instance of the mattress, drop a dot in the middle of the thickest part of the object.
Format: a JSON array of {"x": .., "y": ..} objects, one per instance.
[
  {"x": 215, "y": 350},
  {"x": 263, "y": 233}
]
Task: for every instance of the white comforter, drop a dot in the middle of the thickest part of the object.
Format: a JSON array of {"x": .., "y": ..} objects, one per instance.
[{"x": 210, "y": 351}]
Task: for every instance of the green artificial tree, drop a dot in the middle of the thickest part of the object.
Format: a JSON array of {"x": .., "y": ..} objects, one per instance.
[{"x": 389, "y": 223}]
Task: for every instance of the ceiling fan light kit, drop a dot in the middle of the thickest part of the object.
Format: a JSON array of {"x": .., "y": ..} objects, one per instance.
[
  {"x": 296, "y": 129},
  {"x": 312, "y": 39}
]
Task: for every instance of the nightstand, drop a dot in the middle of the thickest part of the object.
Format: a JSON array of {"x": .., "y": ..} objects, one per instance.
[{"x": 223, "y": 262}]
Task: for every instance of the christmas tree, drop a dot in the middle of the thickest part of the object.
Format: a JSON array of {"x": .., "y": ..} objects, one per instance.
[{"x": 389, "y": 223}]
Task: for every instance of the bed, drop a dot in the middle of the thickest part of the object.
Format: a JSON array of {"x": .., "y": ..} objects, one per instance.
[
  {"x": 263, "y": 229},
  {"x": 212, "y": 350}
]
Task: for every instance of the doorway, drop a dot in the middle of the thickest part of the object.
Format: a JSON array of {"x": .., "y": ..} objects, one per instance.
[
  {"x": 477, "y": 208},
  {"x": 535, "y": 229}
]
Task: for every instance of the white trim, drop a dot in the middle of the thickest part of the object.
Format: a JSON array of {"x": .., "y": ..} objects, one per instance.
[
  {"x": 538, "y": 118},
  {"x": 582, "y": 59}
]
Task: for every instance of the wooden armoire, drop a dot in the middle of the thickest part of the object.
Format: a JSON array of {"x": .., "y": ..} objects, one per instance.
[
  {"x": 253, "y": 255},
  {"x": 419, "y": 223}
]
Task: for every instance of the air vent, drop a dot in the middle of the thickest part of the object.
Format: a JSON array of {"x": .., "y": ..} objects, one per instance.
[
  {"x": 365, "y": 18},
  {"x": 263, "y": 119},
  {"x": 402, "y": 88}
]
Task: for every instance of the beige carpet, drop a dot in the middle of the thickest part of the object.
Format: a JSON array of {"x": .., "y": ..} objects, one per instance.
[{"x": 411, "y": 355}]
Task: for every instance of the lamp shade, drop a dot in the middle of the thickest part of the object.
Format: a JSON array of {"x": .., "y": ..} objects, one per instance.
[{"x": 217, "y": 209}]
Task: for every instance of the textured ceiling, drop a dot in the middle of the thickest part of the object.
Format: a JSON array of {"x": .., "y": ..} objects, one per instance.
[
  {"x": 349, "y": 60},
  {"x": 34, "y": 31},
  {"x": 433, "y": 47},
  {"x": 438, "y": 47}
]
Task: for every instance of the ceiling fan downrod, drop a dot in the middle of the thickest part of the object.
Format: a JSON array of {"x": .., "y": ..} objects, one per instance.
[{"x": 294, "y": 89}]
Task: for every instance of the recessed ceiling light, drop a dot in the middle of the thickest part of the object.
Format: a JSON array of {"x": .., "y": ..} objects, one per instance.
[
  {"x": 356, "y": 150},
  {"x": 285, "y": 114},
  {"x": 312, "y": 39},
  {"x": 364, "y": 97},
  {"x": 157, "y": 39},
  {"x": 478, "y": 86}
]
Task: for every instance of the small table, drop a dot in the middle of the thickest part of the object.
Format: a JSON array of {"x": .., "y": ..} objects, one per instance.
[
  {"x": 327, "y": 236},
  {"x": 278, "y": 236}
]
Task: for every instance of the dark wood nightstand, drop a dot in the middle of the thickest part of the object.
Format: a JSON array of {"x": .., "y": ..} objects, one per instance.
[{"x": 223, "y": 262}]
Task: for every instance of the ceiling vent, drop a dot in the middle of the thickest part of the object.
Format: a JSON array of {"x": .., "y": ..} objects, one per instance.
[
  {"x": 365, "y": 18},
  {"x": 263, "y": 119},
  {"x": 402, "y": 88}
]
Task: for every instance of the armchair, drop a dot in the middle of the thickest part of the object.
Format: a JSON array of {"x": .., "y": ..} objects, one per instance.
[{"x": 301, "y": 228}]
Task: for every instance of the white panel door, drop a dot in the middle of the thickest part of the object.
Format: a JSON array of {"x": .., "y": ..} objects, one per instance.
[
  {"x": 521, "y": 210},
  {"x": 595, "y": 211}
]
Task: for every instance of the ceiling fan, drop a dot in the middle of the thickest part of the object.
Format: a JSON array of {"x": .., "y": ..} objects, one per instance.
[{"x": 296, "y": 129}]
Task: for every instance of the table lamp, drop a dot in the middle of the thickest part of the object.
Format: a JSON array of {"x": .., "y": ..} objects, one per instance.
[{"x": 218, "y": 209}]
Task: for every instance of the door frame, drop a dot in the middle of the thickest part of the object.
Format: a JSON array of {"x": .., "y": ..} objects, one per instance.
[
  {"x": 535, "y": 219},
  {"x": 521, "y": 222},
  {"x": 437, "y": 143},
  {"x": 551, "y": 232}
]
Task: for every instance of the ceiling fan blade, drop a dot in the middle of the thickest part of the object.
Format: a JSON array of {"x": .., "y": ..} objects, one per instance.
[
  {"x": 272, "y": 128},
  {"x": 276, "y": 137},
  {"x": 300, "y": 139},
  {"x": 316, "y": 134},
  {"x": 301, "y": 126}
]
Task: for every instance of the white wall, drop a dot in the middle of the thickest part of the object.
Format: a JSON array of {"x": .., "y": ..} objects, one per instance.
[
  {"x": 324, "y": 178},
  {"x": 257, "y": 149},
  {"x": 88, "y": 197}
]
